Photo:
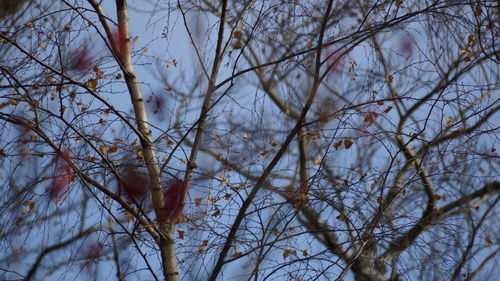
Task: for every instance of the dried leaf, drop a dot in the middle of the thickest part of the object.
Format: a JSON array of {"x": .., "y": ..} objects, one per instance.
[
  {"x": 316, "y": 161},
  {"x": 488, "y": 239},
  {"x": 237, "y": 34},
  {"x": 198, "y": 201},
  {"x": 370, "y": 116},
  {"x": 103, "y": 149},
  {"x": 30, "y": 204},
  {"x": 348, "y": 144},
  {"x": 286, "y": 253},
  {"x": 181, "y": 234},
  {"x": 470, "y": 39},
  {"x": 216, "y": 213},
  {"x": 203, "y": 245},
  {"x": 337, "y": 144},
  {"x": 92, "y": 83},
  {"x": 113, "y": 148},
  {"x": 237, "y": 45},
  {"x": 388, "y": 109},
  {"x": 389, "y": 78}
]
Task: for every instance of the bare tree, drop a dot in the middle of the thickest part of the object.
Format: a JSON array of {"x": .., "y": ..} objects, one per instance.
[{"x": 284, "y": 140}]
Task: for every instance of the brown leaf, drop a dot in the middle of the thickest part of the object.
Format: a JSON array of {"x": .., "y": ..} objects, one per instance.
[
  {"x": 337, "y": 144},
  {"x": 113, "y": 148},
  {"x": 203, "y": 245},
  {"x": 92, "y": 83},
  {"x": 286, "y": 253},
  {"x": 216, "y": 213},
  {"x": 30, "y": 204},
  {"x": 181, "y": 234},
  {"x": 237, "y": 34},
  {"x": 488, "y": 239},
  {"x": 389, "y": 78},
  {"x": 237, "y": 45},
  {"x": 370, "y": 116},
  {"x": 348, "y": 144},
  {"x": 198, "y": 201},
  {"x": 470, "y": 39},
  {"x": 103, "y": 149},
  {"x": 237, "y": 254}
]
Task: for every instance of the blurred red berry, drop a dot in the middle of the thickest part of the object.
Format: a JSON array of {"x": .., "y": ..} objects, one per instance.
[
  {"x": 336, "y": 61},
  {"x": 94, "y": 251},
  {"x": 174, "y": 196},
  {"x": 119, "y": 40},
  {"x": 81, "y": 60},
  {"x": 406, "y": 46},
  {"x": 135, "y": 185},
  {"x": 64, "y": 175}
]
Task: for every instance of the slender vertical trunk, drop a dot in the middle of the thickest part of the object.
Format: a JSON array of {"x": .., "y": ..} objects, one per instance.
[{"x": 123, "y": 53}]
